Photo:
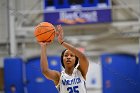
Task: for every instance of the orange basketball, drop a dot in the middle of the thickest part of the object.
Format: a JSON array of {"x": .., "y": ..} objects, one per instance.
[{"x": 44, "y": 32}]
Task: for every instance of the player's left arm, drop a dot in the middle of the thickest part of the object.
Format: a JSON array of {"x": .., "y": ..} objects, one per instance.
[{"x": 83, "y": 61}]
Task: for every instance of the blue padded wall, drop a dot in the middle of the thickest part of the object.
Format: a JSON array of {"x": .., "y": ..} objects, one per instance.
[
  {"x": 119, "y": 73},
  {"x": 138, "y": 74},
  {"x": 13, "y": 74},
  {"x": 36, "y": 82}
]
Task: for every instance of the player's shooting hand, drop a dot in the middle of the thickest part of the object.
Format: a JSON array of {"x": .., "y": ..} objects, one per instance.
[{"x": 44, "y": 44}]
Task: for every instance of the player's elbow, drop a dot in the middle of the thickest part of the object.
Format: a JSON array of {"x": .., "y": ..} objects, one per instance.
[
  {"x": 47, "y": 74},
  {"x": 44, "y": 71}
]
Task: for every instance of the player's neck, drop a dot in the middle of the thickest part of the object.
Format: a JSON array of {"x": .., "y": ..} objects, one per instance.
[{"x": 69, "y": 71}]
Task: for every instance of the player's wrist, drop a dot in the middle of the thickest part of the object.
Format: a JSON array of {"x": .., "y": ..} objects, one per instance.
[{"x": 62, "y": 42}]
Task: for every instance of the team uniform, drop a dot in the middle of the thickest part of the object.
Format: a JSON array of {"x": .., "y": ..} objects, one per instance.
[{"x": 72, "y": 84}]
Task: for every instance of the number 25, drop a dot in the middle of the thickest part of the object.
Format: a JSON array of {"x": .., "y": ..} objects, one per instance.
[{"x": 73, "y": 89}]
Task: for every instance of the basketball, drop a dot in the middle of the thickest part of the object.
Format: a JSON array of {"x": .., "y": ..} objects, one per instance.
[{"x": 44, "y": 32}]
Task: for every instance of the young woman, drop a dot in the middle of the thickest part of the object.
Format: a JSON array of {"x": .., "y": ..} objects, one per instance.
[{"x": 75, "y": 63}]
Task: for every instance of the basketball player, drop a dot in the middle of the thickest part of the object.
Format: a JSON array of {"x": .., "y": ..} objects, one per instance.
[{"x": 75, "y": 63}]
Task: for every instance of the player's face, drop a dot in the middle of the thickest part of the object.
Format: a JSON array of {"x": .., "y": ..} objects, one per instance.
[{"x": 69, "y": 58}]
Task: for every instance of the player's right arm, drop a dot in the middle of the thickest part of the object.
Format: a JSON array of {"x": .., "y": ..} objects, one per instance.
[{"x": 48, "y": 73}]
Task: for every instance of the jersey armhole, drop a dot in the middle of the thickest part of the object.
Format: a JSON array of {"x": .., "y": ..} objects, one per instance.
[{"x": 79, "y": 72}]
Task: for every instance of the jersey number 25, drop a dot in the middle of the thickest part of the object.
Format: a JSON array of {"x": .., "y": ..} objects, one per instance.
[{"x": 73, "y": 89}]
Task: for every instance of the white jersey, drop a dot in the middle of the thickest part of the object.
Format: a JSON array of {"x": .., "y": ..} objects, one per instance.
[{"x": 72, "y": 84}]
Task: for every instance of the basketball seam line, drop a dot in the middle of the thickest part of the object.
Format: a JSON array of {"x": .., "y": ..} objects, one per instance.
[
  {"x": 49, "y": 37},
  {"x": 44, "y": 32}
]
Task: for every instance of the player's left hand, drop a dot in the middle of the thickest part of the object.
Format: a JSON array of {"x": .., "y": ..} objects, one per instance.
[{"x": 60, "y": 34}]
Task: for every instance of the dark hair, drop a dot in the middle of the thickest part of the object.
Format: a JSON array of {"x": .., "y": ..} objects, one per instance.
[{"x": 76, "y": 61}]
